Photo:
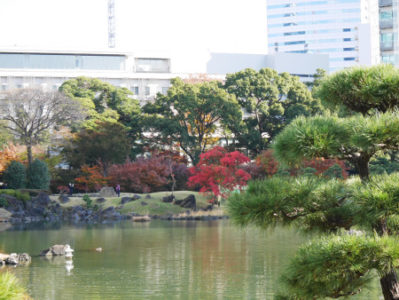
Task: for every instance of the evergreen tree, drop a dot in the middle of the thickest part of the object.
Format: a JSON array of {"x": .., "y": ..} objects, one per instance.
[
  {"x": 38, "y": 175},
  {"x": 15, "y": 175},
  {"x": 337, "y": 266}
]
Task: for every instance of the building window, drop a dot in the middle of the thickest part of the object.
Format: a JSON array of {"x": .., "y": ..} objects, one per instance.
[
  {"x": 349, "y": 58},
  {"x": 387, "y": 41},
  {"x": 147, "y": 90},
  {"x": 135, "y": 90}
]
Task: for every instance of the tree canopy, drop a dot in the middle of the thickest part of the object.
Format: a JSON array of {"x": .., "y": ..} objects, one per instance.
[
  {"x": 355, "y": 139},
  {"x": 190, "y": 114},
  {"x": 362, "y": 89},
  {"x": 104, "y": 102},
  {"x": 105, "y": 144},
  {"x": 271, "y": 101}
]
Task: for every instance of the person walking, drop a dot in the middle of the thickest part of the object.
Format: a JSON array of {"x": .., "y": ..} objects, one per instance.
[
  {"x": 118, "y": 190},
  {"x": 71, "y": 186}
]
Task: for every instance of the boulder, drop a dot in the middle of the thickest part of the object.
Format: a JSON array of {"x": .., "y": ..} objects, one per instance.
[
  {"x": 42, "y": 199},
  {"x": 126, "y": 199},
  {"x": 141, "y": 219},
  {"x": 189, "y": 202},
  {"x": 63, "y": 199},
  {"x": 136, "y": 197},
  {"x": 168, "y": 199},
  {"x": 4, "y": 215},
  {"x": 55, "y": 250},
  {"x": 148, "y": 196},
  {"x": 143, "y": 203},
  {"x": 107, "y": 191},
  {"x": 100, "y": 200},
  {"x": 15, "y": 259}
]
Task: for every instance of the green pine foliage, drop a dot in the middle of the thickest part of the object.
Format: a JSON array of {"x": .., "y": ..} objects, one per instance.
[
  {"x": 10, "y": 288},
  {"x": 308, "y": 202},
  {"x": 334, "y": 171},
  {"x": 378, "y": 202},
  {"x": 38, "y": 175},
  {"x": 15, "y": 175},
  {"x": 337, "y": 266}
]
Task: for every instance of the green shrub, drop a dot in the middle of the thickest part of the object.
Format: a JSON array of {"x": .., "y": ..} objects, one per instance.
[
  {"x": 38, "y": 175},
  {"x": 23, "y": 196},
  {"x": 335, "y": 171},
  {"x": 15, "y": 175},
  {"x": 3, "y": 202},
  {"x": 10, "y": 289},
  {"x": 88, "y": 201}
]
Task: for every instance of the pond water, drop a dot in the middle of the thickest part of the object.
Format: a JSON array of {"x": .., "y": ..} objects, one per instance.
[{"x": 156, "y": 260}]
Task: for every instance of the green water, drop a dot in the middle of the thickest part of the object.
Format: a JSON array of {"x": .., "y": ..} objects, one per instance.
[{"x": 157, "y": 260}]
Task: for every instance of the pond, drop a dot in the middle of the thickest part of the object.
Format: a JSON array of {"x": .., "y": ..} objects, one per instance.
[{"x": 156, "y": 260}]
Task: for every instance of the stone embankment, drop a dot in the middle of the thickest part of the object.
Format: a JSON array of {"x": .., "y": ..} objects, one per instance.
[{"x": 42, "y": 208}]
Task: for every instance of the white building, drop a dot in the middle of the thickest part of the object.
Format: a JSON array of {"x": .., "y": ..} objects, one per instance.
[
  {"x": 144, "y": 75},
  {"x": 346, "y": 30}
]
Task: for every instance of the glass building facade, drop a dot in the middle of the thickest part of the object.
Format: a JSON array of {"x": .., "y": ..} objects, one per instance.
[
  {"x": 389, "y": 31},
  {"x": 339, "y": 28}
]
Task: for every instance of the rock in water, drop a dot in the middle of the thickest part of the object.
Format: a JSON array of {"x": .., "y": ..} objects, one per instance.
[
  {"x": 107, "y": 191},
  {"x": 15, "y": 259},
  {"x": 54, "y": 251}
]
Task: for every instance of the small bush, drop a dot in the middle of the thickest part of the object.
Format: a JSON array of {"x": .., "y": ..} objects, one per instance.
[
  {"x": 89, "y": 202},
  {"x": 15, "y": 175},
  {"x": 23, "y": 196},
  {"x": 38, "y": 175},
  {"x": 3, "y": 202}
]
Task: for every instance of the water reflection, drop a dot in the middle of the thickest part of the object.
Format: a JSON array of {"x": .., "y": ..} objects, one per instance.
[{"x": 168, "y": 260}]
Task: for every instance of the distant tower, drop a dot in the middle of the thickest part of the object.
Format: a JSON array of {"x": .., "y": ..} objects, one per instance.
[{"x": 111, "y": 23}]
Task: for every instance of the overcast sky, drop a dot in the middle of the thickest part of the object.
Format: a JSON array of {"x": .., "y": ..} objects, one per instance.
[{"x": 187, "y": 29}]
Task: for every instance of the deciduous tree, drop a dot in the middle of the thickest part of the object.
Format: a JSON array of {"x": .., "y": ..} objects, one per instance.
[
  {"x": 219, "y": 172},
  {"x": 29, "y": 114}
]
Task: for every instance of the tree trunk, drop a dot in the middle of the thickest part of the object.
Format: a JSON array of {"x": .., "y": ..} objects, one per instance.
[
  {"x": 29, "y": 153},
  {"x": 390, "y": 286},
  {"x": 362, "y": 166}
]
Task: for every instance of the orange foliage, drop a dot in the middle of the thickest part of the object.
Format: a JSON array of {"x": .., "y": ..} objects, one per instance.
[
  {"x": 267, "y": 162},
  {"x": 92, "y": 179}
]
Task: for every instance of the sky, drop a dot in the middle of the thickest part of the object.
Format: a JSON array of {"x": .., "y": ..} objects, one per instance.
[{"x": 186, "y": 30}]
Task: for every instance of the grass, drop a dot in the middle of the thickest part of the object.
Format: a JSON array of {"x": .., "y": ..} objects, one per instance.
[
  {"x": 154, "y": 206},
  {"x": 10, "y": 288}
]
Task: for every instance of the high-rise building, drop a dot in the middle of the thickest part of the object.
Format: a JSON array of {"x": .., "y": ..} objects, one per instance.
[
  {"x": 389, "y": 31},
  {"x": 346, "y": 30}
]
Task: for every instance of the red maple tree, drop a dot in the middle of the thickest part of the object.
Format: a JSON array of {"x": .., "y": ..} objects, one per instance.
[{"x": 218, "y": 172}]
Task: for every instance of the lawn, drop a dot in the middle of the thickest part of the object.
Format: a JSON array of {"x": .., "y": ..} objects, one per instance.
[{"x": 153, "y": 206}]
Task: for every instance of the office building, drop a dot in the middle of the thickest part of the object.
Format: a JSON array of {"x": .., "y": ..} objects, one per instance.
[
  {"x": 346, "y": 30},
  {"x": 144, "y": 75},
  {"x": 389, "y": 31}
]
